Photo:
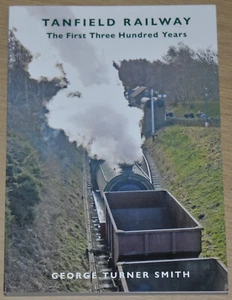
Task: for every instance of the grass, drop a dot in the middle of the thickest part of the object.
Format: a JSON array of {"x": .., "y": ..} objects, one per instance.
[
  {"x": 213, "y": 109},
  {"x": 56, "y": 241},
  {"x": 189, "y": 160},
  {"x": 71, "y": 236}
]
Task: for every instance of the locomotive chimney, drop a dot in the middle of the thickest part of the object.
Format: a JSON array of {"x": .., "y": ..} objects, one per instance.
[{"x": 126, "y": 168}]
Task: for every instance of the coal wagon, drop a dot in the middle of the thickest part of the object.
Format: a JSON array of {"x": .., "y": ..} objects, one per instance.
[
  {"x": 149, "y": 224},
  {"x": 176, "y": 275}
]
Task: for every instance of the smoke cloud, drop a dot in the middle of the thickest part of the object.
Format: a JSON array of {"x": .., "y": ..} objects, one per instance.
[
  {"x": 92, "y": 111},
  {"x": 80, "y": 54},
  {"x": 101, "y": 121}
]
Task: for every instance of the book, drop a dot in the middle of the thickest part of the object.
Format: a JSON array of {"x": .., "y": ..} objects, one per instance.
[{"x": 114, "y": 169}]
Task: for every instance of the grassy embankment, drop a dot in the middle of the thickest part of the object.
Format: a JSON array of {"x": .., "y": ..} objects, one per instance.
[
  {"x": 190, "y": 164},
  {"x": 213, "y": 109},
  {"x": 67, "y": 213},
  {"x": 53, "y": 239}
]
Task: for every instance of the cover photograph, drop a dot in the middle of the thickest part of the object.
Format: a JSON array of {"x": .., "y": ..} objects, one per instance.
[{"x": 114, "y": 180}]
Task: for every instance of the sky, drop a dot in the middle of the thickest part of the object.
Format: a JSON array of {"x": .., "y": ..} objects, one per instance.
[{"x": 100, "y": 119}]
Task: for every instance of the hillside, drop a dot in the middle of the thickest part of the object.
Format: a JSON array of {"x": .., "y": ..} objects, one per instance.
[
  {"x": 54, "y": 240},
  {"x": 190, "y": 165},
  {"x": 45, "y": 225}
]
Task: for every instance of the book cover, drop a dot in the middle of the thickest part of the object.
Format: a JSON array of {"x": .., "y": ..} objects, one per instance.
[{"x": 114, "y": 168}]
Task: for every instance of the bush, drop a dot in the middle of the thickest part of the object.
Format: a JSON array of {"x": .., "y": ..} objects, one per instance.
[{"x": 22, "y": 179}]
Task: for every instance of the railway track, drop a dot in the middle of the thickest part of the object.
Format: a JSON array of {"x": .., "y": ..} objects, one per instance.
[
  {"x": 152, "y": 171},
  {"x": 87, "y": 211},
  {"x": 97, "y": 251}
]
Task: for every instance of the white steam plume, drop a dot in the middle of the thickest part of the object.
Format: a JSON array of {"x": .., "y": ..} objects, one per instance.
[
  {"x": 92, "y": 110},
  {"x": 101, "y": 121}
]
